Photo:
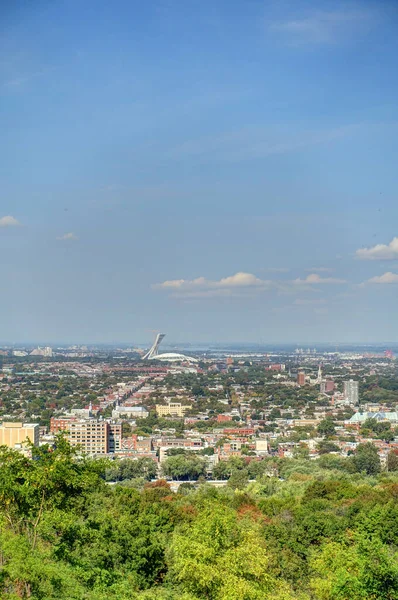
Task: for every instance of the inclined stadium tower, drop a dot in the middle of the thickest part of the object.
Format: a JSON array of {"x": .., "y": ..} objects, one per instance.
[{"x": 153, "y": 353}]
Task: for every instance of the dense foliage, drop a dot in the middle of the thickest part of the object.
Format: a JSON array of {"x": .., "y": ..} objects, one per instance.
[{"x": 314, "y": 532}]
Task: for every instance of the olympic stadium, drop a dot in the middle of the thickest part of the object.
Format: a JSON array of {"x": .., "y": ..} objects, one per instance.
[{"x": 153, "y": 353}]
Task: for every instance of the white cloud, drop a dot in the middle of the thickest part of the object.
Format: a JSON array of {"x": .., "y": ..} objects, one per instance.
[
  {"x": 202, "y": 287},
  {"x": 380, "y": 251},
  {"x": 241, "y": 280},
  {"x": 173, "y": 283},
  {"x": 67, "y": 236},
  {"x": 244, "y": 284},
  {"x": 315, "y": 279},
  {"x": 8, "y": 221},
  {"x": 324, "y": 27},
  {"x": 320, "y": 270},
  {"x": 386, "y": 278}
]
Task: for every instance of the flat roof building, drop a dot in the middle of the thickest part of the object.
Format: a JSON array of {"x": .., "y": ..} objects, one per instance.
[
  {"x": 91, "y": 436},
  {"x": 173, "y": 409},
  {"x": 16, "y": 435},
  {"x": 135, "y": 412}
]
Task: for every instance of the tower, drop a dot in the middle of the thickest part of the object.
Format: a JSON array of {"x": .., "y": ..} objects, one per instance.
[
  {"x": 154, "y": 351},
  {"x": 319, "y": 378}
]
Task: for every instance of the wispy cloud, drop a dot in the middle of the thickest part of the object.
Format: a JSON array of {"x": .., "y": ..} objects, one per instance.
[
  {"x": 320, "y": 270},
  {"x": 68, "y": 236},
  {"x": 202, "y": 287},
  {"x": 380, "y": 251},
  {"x": 9, "y": 221},
  {"x": 19, "y": 80},
  {"x": 257, "y": 142},
  {"x": 315, "y": 279},
  {"x": 324, "y": 27},
  {"x": 385, "y": 279}
]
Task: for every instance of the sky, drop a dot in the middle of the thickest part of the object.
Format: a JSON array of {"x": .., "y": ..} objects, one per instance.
[{"x": 218, "y": 170}]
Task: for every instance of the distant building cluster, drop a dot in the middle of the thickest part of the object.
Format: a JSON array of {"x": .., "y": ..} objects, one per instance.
[{"x": 246, "y": 405}]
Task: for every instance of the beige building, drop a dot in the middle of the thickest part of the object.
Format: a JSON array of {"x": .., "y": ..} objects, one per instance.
[
  {"x": 15, "y": 435},
  {"x": 95, "y": 437},
  {"x": 262, "y": 446},
  {"x": 173, "y": 409},
  {"x": 90, "y": 436}
]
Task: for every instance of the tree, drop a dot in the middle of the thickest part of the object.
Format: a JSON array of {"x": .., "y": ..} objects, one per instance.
[
  {"x": 219, "y": 557},
  {"x": 326, "y": 427},
  {"x": 324, "y": 447},
  {"x": 126, "y": 429},
  {"x": 221, "y": 470},
  {"x": 366, "y": 458},
  {"x": 207, "y": 451},
  {"x": 361, "y": 571},
  {"x": 184, "y": 468},
  {"x": 238, "y": 480},
  {"x": 301, "y": 451},
  {"x": 275, "y": 413},
  {"x": 131, "y": 469},
  {"x": 224, "y": 468},
  {"x": 381, "y": 430},
  {"x": 392, "y": 461}
]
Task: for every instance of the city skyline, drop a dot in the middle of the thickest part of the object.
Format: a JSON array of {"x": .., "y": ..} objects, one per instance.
[{"x": 222, "y": 173}]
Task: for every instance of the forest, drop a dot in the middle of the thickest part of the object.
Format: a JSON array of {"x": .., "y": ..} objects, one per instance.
[{"x": 312, "y": 531}]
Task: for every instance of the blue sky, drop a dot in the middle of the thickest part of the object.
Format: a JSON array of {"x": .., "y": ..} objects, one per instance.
[{"x": 220, "y": 171}]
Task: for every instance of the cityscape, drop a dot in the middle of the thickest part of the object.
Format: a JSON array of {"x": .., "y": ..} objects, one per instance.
[
  {"x": 208, "y": 408},
  {"x": 198, "y": 300}
]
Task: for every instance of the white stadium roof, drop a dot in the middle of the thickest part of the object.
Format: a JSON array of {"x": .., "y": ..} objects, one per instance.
[{"x": 173, "y": 357}]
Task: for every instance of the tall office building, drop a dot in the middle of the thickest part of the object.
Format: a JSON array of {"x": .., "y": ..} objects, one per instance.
[{"x": 351, "y": 391}]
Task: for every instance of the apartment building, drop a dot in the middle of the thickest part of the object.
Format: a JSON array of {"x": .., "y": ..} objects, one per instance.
[{"x": 90, "y": 435}]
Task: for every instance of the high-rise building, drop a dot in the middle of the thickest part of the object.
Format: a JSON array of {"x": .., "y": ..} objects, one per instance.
[
  {"x": 16, "y": 435},
  {"x": 300, "y": 378},
  {"x": 114, "y": 437},
  {"x": 92, "y": 436},
  {"x": 351, "y": 391}
]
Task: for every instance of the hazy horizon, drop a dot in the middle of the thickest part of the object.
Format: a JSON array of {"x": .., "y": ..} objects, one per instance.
[{"x": 318, "y": 345}]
